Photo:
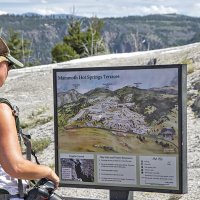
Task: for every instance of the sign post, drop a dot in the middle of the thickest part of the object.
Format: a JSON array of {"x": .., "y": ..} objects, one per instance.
[
  {"x": 121, "y": 128},
  {"x": 121, "y": 195}
]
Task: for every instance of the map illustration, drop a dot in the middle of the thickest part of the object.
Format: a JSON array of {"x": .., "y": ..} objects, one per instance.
[{"x": 118, "y": 111}]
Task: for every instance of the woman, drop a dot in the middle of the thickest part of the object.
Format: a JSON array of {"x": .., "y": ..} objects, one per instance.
[{"x": 13, "y": 165}]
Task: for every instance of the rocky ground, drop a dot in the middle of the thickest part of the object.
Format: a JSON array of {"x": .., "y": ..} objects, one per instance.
[{"x": 32, "y": 90}]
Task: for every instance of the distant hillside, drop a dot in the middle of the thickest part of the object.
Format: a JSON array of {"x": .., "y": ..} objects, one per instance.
[{"x": 127, "y": 34}]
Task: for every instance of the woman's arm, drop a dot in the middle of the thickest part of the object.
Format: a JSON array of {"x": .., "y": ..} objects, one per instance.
[{"x": 11, "y": 158}]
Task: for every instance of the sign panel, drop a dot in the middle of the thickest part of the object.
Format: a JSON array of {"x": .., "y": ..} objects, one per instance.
[{"x": 121, "y": 127}]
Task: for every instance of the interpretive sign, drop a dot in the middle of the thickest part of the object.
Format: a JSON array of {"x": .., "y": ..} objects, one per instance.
[{"x": 121, "y": 127}]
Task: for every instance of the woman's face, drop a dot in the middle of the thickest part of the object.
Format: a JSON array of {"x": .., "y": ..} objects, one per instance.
[{"x": 4, "y": 68}]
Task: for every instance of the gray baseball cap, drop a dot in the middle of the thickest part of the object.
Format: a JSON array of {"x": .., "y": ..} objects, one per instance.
[{"x": 4, "y": 51}]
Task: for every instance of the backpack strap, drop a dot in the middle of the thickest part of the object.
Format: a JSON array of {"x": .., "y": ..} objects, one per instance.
[
  {"x": 15, "y": 111},
  {"x": 25, "y": 137},
  {"x": 26, "y": 140}
]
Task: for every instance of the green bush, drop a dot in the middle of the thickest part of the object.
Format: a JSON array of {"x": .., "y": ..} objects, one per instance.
[
  {"x": 35, "y": 122},
  {"x": 39, "y": 111},
  {"x": 63, "y": 52},
  {"x": 36, "y": 118},
  {"x": 190, "y": 65},
  {"x": 39, "y": 145}
]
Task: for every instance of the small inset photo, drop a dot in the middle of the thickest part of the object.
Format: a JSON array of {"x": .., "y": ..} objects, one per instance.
[{"x": 77, "y": 169}]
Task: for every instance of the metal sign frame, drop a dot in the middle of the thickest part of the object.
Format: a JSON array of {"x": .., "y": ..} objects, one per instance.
[{"x": 144, "y": 165}]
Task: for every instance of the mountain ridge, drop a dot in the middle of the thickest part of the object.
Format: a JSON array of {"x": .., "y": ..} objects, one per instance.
[{"x": 121, "y": 35}]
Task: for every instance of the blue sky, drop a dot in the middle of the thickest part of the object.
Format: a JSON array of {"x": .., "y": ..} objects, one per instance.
[{"x": 101, "y": 8}]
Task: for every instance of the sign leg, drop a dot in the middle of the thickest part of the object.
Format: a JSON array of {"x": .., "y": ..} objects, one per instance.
[
  {"x": 130, "y": 195},
  {"x": 121, "y": 195}
]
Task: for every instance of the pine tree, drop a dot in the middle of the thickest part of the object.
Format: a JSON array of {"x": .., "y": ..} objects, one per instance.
[
  {"x": 75, "y": 37},
  {"x": 63, "y": 52},
  {"x": 19, "y": 47},
  {"x": 93, "y": 44},
  {"x": 79, "y": 43}
]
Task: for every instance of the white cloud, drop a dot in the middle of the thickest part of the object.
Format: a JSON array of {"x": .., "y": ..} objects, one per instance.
[
  {"x": 113, "y": 10},
  {"x": 49, "y": 11},
  {"x": 102, "y": 8},
  {"x": 14, "y": 1},
  {"x": 193, "y": 10},
  {"x": 157, "y": 10},
  {"x": 3, "y": 12},
  {"x": 44, "y": 1}
]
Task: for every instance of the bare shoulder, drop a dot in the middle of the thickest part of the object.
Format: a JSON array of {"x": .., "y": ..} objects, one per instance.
[
  {"x": 5, "y": 110},
  {"x": 7, "y": 120}
]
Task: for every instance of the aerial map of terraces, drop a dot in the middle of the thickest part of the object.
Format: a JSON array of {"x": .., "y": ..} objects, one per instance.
[{"x": 118, "y": 111}]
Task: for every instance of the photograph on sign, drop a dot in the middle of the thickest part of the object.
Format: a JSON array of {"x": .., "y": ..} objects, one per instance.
[{"x": 119, "y": 127}]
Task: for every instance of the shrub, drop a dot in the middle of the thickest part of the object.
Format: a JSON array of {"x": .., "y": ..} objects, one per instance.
[
  {"x": 190, "y": 65},
  {"x": 35, "y": 122},
  {"x": 39, "y": 145},
  {"x": 36, "y": 118}
]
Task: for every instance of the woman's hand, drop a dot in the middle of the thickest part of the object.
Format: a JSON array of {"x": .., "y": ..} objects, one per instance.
[{"x": 53, "y": 177}]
